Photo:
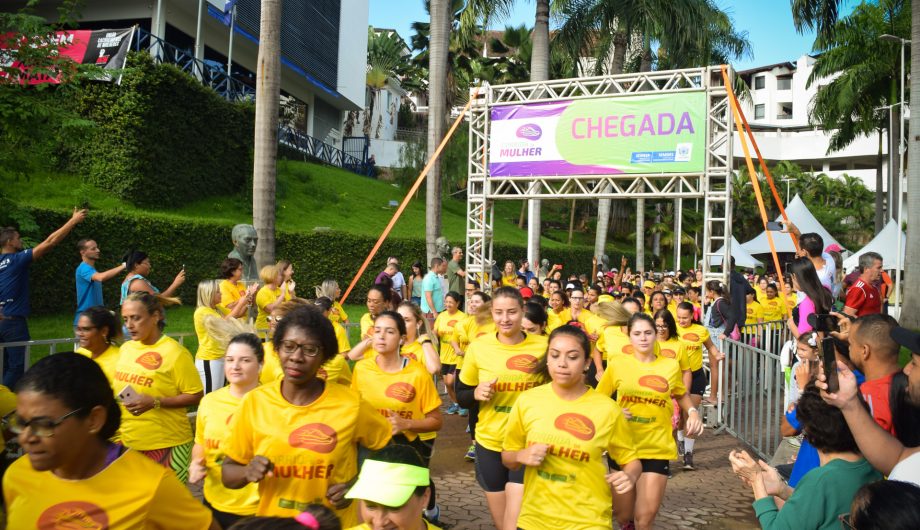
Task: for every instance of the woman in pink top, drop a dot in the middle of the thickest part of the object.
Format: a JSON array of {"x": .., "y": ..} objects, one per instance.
[{"x": 817, "y": 298}]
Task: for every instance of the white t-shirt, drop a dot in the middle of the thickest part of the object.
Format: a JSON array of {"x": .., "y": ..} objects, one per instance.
[
  {"x": 907, "y": 470},
  {"x": 398, "y": 281},
  {"x": 827, "y": 273}
]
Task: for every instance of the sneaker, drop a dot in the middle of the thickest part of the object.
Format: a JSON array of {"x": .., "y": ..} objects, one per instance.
[
  {"x": 470, "y": 453},
  {"x": 463, "y": 412},
  {"x": 432, "y": 515},
  {"x": 680, "y": 447},
  {"x": 688, "y": 461},
  {"x": 453, "y": 408}
]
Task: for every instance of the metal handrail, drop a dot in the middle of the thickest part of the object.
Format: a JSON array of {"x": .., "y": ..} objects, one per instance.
[{"x": 315, "y": 148}]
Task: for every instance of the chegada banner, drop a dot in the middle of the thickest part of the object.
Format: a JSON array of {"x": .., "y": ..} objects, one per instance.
[
  {"x": 654, "y": 133},
  {"x": 105, "y": 48}
]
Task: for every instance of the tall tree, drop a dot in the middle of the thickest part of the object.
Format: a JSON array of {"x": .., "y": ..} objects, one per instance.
[
  {"x": 265, "y": 147},
  {"x": 437, "y": 109},
  {"x": 539, "y": 71}
]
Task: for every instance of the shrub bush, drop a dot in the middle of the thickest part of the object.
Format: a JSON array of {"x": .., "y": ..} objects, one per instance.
[
  {"x": 162, "y": 138},
  {"x": 202, "y": 245}
]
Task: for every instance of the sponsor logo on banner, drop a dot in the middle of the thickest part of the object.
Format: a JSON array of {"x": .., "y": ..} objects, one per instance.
[
  {"x": 522, "y": 363},
  {"x": 577, "y": 425},
  {"x": 655, "y": 382},
  {"x": 74, "y": 514},
  {"x": 401, "y": 392},
  {"x": 150, "y": 360},
  {"x": 317, "y": 437},
  {"x": 530, "y": 131}
]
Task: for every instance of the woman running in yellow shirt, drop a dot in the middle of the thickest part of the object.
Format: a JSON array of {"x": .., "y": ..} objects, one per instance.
[
  {"x": 566, "y": 429},
  {"x": 298, "y": 438},
  {"x": 444, "y": 327},
  {"x": 478, "y": 323},
  {"x": 645, "y": 383},
  {"x": 420, "y": 343},
  {"x": 242, "y": 363},
  {"x": 378, "y": 299},
  {"x": 401, "y": 390},
  {"x": 496, "y": 370},
  {"x": 670, "y": 346}
]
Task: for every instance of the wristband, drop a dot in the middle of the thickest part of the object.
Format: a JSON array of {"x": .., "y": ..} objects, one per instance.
[
  {"x": 426, "y": 341},
  {"x": 156, "y": 403},
  {"x": 692, "y": 409}
]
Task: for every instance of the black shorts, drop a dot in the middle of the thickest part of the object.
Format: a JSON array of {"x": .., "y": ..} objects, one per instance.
[
  {"x": 649, "y": 465},
  {"x": 491, "y": 474},
  {"x": 448, "y": 368},
  {"x": 698, "y": 382}
]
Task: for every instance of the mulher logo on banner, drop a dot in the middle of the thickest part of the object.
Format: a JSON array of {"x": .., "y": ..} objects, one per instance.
[{"x": 655, "y": 133}]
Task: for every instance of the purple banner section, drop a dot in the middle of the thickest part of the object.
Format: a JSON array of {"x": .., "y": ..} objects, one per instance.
[
  {"x": 547, "y": 167},
  {"x": 525, "y": 112}
]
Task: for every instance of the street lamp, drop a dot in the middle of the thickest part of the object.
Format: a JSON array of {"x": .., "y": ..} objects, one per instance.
[
  {"x": 787, "y": 181},
  {"x": 898, "y": 261}
]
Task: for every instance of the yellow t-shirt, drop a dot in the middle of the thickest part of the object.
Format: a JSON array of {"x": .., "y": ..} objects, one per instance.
[
  {"x": 335, "y": 370},
  {"x": 162, "y": 369},
  {"x": 311, "y": 447},
  {"x": 773, "y": 309},
  {"x": 694, "y": 337},
  {"x": 131, "y": 493},
  {"x": 578, "y": 432},
  {"x": 264, "y": 297},
  {"x": 214, "y": 412},
  {"x": 755, "y": 313},
  {"x": 409, "y": 392},
  {"x": 7, "y": 401},
  {"x": 341, "y": 336},
  {"x": 230, "y": 292},
  {"x": 338, "y": 313},
  {"x": 444, "y": 326},
  {"x": 469, "y": 331},
  {"x": 613, "y": 341},
  {"x": 413, "y": 350},
  {"x": 509, "y": 281},
  {"x": 367, "y": 325},
  {"x": 513, "y": 366},
  {"x": 646, "y": 389},
  {"x": 106, "y": 361},
  {"x": 791, "y": 300},
  {"x": 208, "y": 348},
  {"x": 676, "y": 349},
  {"x": 271, "y": 365},
  {"x": 554, "y": 319}
]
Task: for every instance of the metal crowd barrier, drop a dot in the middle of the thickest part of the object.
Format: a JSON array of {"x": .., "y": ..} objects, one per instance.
[{"x": 752, "y": 387}]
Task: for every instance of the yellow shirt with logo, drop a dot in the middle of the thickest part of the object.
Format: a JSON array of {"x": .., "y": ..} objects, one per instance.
[
  {"x": 613, "y": 341},
  {"x": 676, "y": 349},
  {"x": 578, "y": 433},
  {"x": 230, "y": 292},
  {"x": 106, "y": 361},
  {"x": 410, "y": 392},
  {"x": 468, "y": 331},
  {"x": 341, "y": 337},
  {"x": 509, "y": 281},
  {"x": 555, "y": 319},
  {"x": 791, "y": 300},
  {"x": 7, "y": 401},
  {"x": 338, "y": 314},
  {"x": 367, "y": 325},
  {"x": 514, "y": 367},
  {"x": 444, "y": 326},
  {"x": 131, "y": 493},
  {"x": 645, "y": 388},
  {"x": 214, "y": 413},
  {"x": 208, "y": 348},
  {"x": 335, "y": 370},
  {"x": 773, "y": 309},
  {"x": 311, "y": 447},
  {"x": 267, "y": 296},
  {"x": 694, "y": 336},
  {"x": 271, "y": 365},
  {"x": 162, "y": 369},
  {"x": 755, "y": 313}
]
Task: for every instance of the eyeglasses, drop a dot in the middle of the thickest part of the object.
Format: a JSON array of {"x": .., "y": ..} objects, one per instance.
[
  {"x": 288, "y": 347},
  {"x": 661, "y": 326},
  {"x": 273, "y": 319},
  {"x": 41, "y": 426}
]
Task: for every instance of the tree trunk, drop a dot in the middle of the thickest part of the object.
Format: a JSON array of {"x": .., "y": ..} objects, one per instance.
[
  {"x": 265, "y": 146},
  {"x": 571, "y": 222},
  {"x": 539, "y": 71},
  {"x": 879, "y": 185},
  {"x": 910, "y": 308},
  {"x": 620, "y": 43},
  {"x": 603, "y": 225},
  {"x": 437, "y": 102},
  {"x": 894, "y": 176},
  {"x": 645, "y": 65},
  {"x": 523, "y": 216},
  {"x": 640, "y": 235},
  {"x": 656, "y": 237}
]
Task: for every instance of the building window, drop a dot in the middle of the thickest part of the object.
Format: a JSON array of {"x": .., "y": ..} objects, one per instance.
[
  {"x": 784, "y": 111},
  {"x": 784, "y": 83},
  {"x": 759, "y": 82},
  {"x": 759, "y": 111}
]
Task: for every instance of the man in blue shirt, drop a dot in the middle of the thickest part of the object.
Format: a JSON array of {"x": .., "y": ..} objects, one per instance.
[
  {"x": 89, "y": 281},
  {"x": 14, "y": 291},
  {"x": 432, "y": 291}
]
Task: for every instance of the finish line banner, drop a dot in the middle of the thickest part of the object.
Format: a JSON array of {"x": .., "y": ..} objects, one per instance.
[{"x": 655, "y": 133}]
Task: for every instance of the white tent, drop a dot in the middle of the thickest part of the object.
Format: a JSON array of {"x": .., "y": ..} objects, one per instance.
[
  {"x": 884, "y": 243},
  {"x": 742, "y": 257},
  {"x": 803, "y": 220}
]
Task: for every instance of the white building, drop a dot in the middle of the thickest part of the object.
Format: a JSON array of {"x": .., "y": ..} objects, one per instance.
[{"x": 778, "y": 114}]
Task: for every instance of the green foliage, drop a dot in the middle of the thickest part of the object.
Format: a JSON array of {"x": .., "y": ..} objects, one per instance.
[
  {"x": 162, "y": 138},
  {"x": 202, "y": 245}
]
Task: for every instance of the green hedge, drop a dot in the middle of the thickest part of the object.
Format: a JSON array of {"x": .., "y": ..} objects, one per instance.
[
  {"x": 201, "y": 246},
  {"x": 162, "y": 138}
]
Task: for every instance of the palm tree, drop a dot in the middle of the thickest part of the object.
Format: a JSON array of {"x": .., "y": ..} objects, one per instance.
[
  {"x": 437, "y": 99},
  {"x": 265, "y": 146},
  {"x": 386, "y": 58}
]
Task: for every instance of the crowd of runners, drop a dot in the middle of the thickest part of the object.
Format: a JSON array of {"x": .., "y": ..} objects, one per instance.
[{"x": 580, "y": 389}]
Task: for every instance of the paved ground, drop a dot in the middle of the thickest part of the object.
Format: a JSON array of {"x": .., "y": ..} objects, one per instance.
[{"x": 710, "y": 497}]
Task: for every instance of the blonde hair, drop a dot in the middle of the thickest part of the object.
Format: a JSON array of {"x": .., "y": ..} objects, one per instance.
[
  {"x": 423, "y": 323},
  {"x": 613, "y": 312},
  {"x": 268, "y": 274},
  {"x": 327, "y": 289},
  {"x": 206, "y": 290},
  {"x": 484, "y": 313},
  {"x": 153, "y": 303},
  {"x": 222, "y": 330}
]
